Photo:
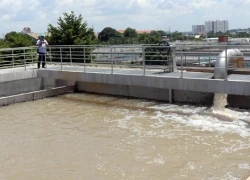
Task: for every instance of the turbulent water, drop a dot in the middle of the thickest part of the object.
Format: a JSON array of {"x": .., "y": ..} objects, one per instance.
[{"x": 84, "y": 136}]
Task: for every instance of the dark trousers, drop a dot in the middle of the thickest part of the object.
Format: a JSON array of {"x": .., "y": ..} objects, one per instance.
[{"x": 41, "y": 58}]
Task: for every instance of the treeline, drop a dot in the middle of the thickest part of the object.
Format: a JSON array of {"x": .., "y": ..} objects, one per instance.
[
  {"x": 130, "y": 36},
  {"x": 72, "y": 30},
  {"x": 14, "y": 39},
  {"x": 243, "y": 34}
]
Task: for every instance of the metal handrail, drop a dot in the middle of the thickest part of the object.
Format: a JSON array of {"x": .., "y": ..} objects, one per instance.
[{"x": 129, "y": 56}]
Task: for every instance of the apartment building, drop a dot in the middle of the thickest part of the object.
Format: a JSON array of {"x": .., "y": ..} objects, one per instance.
[
  {"x": 216, "y": 26},
  {"x": 198, "y": 29}
]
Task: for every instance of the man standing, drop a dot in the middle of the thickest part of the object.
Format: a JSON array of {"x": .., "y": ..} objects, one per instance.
[{"x": 42, "y": 43}]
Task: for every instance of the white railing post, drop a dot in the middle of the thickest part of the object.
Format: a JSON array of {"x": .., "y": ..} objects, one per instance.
[
  {"x": 199, "y": 59},
  {"x": 45, "y": 58},
  {"x": 112, "y": 65},
  {"x": 32, "y": 58},
  {"x": 181, "y": 62},
  {"x": 70, "y": 55},
  {"x": 13, "y": 60},
  {"x": 143, "y": 61},
  {"x": 209, "y": 55},
  {"x": 84, "y": 58},
  {"x": 50, "y": 56},
  {"x": 61, "y": 57},
  {"x": 174, "y": 69},
  {"x": 226, "y": 63},
  {"x": 24, "y": 59},
  {"x": 91, "y": 55}
]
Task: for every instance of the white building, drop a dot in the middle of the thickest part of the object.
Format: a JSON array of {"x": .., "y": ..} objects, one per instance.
[
  {"x": 225, "y": 23},
  {"x": 198, "y": 29},
  {"x": 216, "y": 26},
  {"x": 208, "y": 26}
]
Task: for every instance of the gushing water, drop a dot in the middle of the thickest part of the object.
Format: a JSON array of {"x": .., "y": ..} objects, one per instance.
[
  {"x": 220, "y": 101},
  {"x": 220, "y": 111}
]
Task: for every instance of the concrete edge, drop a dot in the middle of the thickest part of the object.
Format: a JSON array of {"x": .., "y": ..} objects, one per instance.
[
  {"x": 12, "y": 76},
  {"x": 246, "y": 176},
  {"x": 200, "y": 85},
  {"x": 31, "y": 96}
]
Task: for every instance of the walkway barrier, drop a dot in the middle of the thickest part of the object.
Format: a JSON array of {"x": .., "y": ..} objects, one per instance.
[{"x": 174, "y": 58}]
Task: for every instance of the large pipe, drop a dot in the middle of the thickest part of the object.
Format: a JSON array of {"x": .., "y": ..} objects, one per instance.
[{"x": 233, "y": 56}]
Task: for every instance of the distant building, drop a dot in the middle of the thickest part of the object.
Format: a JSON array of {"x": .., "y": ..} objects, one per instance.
[
  {"x": 26, "y": 30},
  {"x": 34, "y": 36},
  {"x": 208, "y": 26},
  {"x": 144, "y": 31},
  {"x": 37, "y": 35},
  {"x": 216, "y": 26},
  {"x": 198, "y": 29},
  {"x": 138, "y": 31},
  {"x": 222, "y": 39}
]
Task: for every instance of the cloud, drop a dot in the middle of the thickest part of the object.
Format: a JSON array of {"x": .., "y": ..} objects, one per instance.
[
  {"x": 180, "y": 15},
  {"x": 5, "y": 17}
]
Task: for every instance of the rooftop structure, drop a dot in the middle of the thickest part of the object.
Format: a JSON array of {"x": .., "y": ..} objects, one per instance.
[
  {"x": 26, "y": 30},
  {"x": 36, "y": 35},
  {"x": 138, "y": 31}
]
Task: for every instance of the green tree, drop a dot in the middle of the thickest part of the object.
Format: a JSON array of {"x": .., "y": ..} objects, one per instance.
[
  {"x": 130, "y": 33},
  {"x": 108, "y": 33},
  {"x": 176, "y": 36},
  {"x": 242, "y": 34},
  {"x": 71, "y": 30},
  {"x": 14, "y": 39},
  {"x": 3, "y": 44},
  {"x": 158, "y": 54},
  {"x": 144, "y": 38}
]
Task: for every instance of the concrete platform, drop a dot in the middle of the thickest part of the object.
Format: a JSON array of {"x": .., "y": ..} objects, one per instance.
[
  {"x": 192, "y": 75},
  {"x": 108, "y": 70},
  {"x": 239, "y": 77}
]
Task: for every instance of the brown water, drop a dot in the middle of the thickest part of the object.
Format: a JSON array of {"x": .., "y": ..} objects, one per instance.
[{"x": 83, "y": 136}]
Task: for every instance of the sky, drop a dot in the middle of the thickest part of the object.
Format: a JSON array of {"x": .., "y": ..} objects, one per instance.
[{"x": 173, "y": 15}]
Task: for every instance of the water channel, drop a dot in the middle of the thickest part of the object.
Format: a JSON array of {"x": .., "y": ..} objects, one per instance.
[{"x": 96, "y": 137}]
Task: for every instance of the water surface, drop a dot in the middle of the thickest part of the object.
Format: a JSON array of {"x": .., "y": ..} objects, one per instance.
[{"x": 86, "y": 136}]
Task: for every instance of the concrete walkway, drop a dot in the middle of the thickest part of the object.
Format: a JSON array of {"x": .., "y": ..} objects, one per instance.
[{"x": 129, "y": 71}]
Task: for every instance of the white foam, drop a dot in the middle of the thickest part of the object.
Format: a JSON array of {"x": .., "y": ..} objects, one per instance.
[
  {"x": 244, "y": 166},
  {"x": 213, "y": 119}
]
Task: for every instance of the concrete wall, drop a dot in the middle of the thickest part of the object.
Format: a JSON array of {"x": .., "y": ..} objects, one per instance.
[
  {"x": 178, "y": 96},
  {"x": 26, "y": 86},
  {"x": 31, "y": 96},
  {"x": 186, "y": 84},
  {"x": 124, "y": 90},
  {"x": 198, "y": 91},
  {"x": 8, "y": 75},
  {"x": 238, "y": 101},
  {"x": 193, "y": 97},
  {"x": 48, "y": 83},
  {"x": 147, "y": 93},
  {"x": 184, "y": 90},
  {"x": 20, "y": 86},
  {"x": 31, "y": 84}
]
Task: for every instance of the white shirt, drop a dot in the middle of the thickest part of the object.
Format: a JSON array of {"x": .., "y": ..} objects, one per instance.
[{"x": 42, "y": 48}]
